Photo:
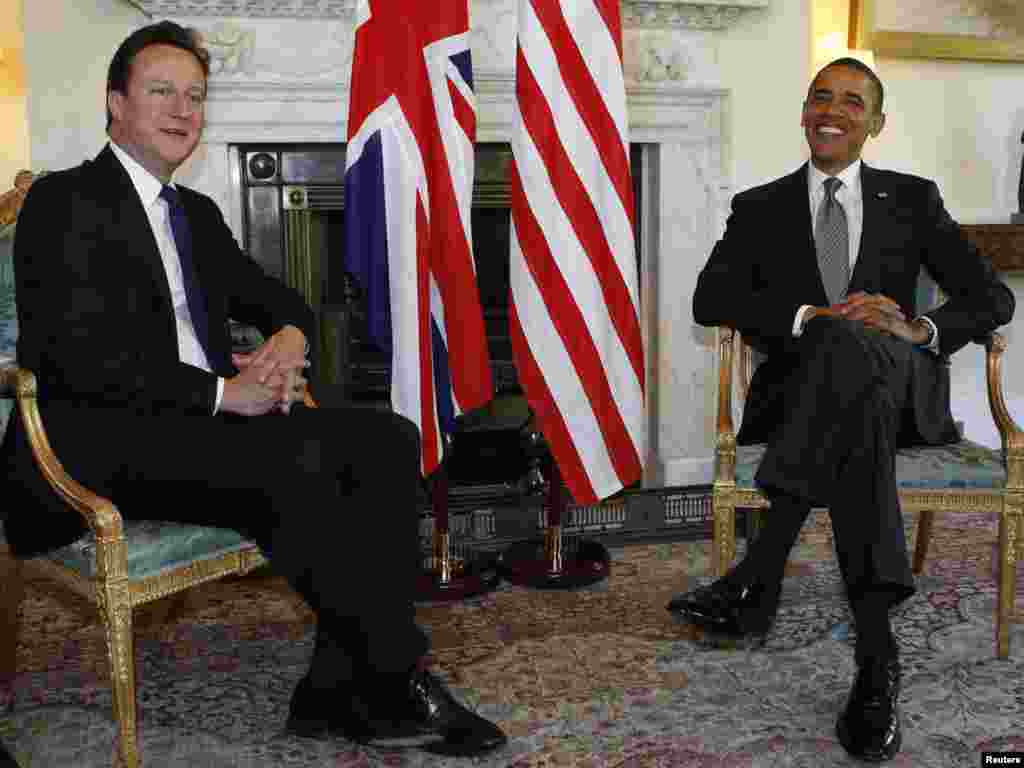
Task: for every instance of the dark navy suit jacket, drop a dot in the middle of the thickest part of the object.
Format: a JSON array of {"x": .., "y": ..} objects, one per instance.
[{"x": 765, "y": 267}]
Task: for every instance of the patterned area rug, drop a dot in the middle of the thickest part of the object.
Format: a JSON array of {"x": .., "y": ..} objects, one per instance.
[{"x": 597, "y": 677}]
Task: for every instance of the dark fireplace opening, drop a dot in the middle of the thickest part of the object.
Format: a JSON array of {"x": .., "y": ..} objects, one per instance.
[{"x": 293, "y": 218}]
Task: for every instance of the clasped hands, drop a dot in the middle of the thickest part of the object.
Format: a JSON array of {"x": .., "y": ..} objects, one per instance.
[
  {"x": 270, "y": 377},
  {"x": 875, "y": 310}
]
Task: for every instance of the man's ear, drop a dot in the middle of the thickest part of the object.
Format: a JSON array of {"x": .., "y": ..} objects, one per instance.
[
  {"x": 115, "y": 103},
  {"x": 877, "y": 124}
]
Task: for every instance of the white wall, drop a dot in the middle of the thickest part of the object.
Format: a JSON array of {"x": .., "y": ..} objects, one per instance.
[
  {"x": 765, "y": 59},
  {"x": 960, "y": 123},
  {"x": 68, "y": 47}
]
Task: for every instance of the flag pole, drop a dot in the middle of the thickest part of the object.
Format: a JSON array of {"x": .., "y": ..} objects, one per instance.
[
  {"x": 546, "y": 563},
  {"x": 447, "y": 577}
]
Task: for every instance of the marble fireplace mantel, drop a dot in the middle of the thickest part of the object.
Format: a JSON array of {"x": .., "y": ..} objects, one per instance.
[
  {"x": 280, "y": 71},
  {"x": 693, "y": 14}
]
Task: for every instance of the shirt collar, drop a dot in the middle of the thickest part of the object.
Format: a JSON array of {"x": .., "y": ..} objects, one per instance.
[
  {"x": 850, "y": 176},
  {"x": 146, "y": 184}
]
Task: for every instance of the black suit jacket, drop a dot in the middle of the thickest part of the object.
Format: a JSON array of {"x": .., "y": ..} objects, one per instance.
[
  {"x": 765, "y": 267},
  {"x": 96, "y": 323}
]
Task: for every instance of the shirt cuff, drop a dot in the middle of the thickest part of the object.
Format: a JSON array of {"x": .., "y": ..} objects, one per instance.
[
  {"x": 934, "y": 345},
  {"x": 220, "y": 395},
  {"x": 798, "y": 322}
]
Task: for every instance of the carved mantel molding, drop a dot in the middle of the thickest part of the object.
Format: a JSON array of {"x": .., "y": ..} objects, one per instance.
[{"x": 663, "y": 14}]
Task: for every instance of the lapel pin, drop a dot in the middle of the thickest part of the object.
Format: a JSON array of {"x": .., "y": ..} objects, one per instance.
[{"x": 881, "y": 195}]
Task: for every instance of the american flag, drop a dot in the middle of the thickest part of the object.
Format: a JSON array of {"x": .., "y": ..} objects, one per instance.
[
  {"x": 408, "y": 191},
  {"x": 575, "y": 304}
]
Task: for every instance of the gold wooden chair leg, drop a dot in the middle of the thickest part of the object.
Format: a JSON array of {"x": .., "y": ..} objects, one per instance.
[
  {"x": 924, "y": 535},
  {"x": 12, "y": 578},
  {"x": 1009, "y": 533},
  {"x": 724, "y": 536},
  {"x": 116, "y": 612}
]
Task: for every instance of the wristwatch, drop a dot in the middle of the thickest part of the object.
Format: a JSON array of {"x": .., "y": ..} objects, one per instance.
[{"x": 931, "y": 332}]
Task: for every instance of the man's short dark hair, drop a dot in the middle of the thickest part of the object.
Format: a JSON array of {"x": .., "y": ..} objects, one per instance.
[
  {"x": 162, "y": 33},
  {"x": 860, "y": 66}
]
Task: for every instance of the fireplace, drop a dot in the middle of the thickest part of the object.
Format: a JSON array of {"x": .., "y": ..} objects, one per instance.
[
  {"x": 293, "y": 220},
  {"x": 279, "y": 80}
]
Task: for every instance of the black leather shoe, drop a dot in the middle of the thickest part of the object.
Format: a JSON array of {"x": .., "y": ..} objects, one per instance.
[
  {"x": 421, "y": 713},
  {"x": 728, "y": 609},
  {"x": 436, "y": 713},
  {"x": 869, "y": 728},
  {"x": 322, "y": 714}
]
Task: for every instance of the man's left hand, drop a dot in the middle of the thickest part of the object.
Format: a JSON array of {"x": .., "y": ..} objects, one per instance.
[
  {"x": 285, "y": 359},
  {"x": 878, "y": 311}
]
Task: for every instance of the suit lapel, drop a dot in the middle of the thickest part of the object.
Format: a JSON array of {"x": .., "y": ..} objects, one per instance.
[
  {"x": 797, "y": 199},
  {"x": 875, "y": 208},
  {"x": 131, "y": 221}
]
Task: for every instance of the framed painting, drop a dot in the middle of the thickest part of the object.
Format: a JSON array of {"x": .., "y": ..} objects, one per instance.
[{"x": 984, "y": 30}]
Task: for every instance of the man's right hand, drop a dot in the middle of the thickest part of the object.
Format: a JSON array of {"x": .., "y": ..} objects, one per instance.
[
  {"x": 861, "y": 306},
  {"x": 255, "y": 391}
]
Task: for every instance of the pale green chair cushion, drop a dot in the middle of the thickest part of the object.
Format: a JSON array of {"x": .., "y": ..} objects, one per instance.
[
  {"x": 154, "y": 547},
  {"x": 959, "y": 465}
]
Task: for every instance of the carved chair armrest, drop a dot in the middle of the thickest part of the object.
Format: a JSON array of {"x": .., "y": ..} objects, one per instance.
[
  {"x": 99, "y": 513},
  {"x": 1010, "y": 434}
]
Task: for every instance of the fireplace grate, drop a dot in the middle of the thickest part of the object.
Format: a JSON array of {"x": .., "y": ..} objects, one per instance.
[{"x": 490, "y": 518}]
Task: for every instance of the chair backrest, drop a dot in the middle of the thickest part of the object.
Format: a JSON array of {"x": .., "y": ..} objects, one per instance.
[
  {"x": 10, "y": 207},
  {"x": 8, "y": 322}
]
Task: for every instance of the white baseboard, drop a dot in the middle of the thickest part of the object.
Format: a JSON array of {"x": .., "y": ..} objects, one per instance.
[{"x": 681, "y": 471}]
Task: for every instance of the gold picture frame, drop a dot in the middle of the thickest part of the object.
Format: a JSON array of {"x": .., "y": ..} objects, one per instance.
[{"x": 938, "y": 36}]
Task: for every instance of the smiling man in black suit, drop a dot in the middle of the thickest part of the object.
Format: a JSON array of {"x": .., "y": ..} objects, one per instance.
[
  {"x": 125, "y": 282},
  {"x": 818, "y": 270}
]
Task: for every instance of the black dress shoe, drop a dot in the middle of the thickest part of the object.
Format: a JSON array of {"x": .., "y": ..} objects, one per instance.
[
  {"x": 736, "y": 610},
  {"x": 451, "y": 728},
  {"x": 869, "y": 728},
  {"x": 421, "y": 712},
  {"x": 339, "y": 711}
]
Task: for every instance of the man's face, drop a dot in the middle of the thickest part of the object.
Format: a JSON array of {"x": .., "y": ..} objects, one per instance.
[
  {"x": 159, "y": 118},
  {"x": 840, "y": 112}
]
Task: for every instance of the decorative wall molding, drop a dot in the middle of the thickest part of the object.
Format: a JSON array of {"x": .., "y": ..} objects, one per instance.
[
  {"x": 230, "y": 47},
  {"x": 675, "y": 14},
  {"x": 259, "y": 9},
  {"x": 687, "y": 14}
]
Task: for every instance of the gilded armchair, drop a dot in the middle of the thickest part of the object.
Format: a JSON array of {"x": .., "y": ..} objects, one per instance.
[
  {"x": 119, "y": 564},
  {"x": 964, "y": 477}
]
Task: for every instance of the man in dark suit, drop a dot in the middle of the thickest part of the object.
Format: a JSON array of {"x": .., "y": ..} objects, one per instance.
[
  {"x": 125, "y": 282},
  {"x": 818, "y": 271}
]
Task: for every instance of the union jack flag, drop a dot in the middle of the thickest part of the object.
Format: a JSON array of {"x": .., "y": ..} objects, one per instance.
[
  {"x": 408, "y": 192},
  {"x": 573, "y": 280}
]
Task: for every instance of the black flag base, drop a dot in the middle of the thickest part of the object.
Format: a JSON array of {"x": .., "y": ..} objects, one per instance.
[
  {"x": 456, "y": 578},
  {"x": 542, "y": 564}
]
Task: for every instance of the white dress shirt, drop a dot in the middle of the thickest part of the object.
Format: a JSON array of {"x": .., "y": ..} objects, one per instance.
[
  {"x": 851, "y": 197},
  {"x": 190, "y": 351}
]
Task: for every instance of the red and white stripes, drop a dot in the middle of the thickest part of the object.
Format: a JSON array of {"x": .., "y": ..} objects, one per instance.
[{"x": 575, "y": 302}]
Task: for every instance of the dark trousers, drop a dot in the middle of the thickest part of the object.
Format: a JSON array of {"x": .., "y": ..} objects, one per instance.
[
  {"x": 329, "y": 494},
  {"x": 843, "y": 403}
]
